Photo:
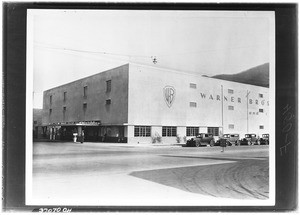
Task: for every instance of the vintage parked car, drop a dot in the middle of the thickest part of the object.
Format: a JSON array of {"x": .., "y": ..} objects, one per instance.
[
  {"x": 250, "y": 139},
  {"x": 201, "y": 139},
  {"x": 264, "y": 140},
  {"x": 231, "y": 139}
]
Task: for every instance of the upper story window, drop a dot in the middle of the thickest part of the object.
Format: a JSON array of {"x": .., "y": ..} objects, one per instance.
[
  {"x": 230, "y": 91},
  {"x": 230, "y": 107},
  {"x": 84, "y": 106},
  {"x": 85, "y": 91},
  {"x": 65, "y": 96},
  {"x": 261, "y": 127},
  {"x": 108, "y": 86},
  {"x": 260, "y": 95},
  {"x": 50, "y": 100},
  {"x": 231, "y": 126},
  {"x": 261, "y": 110},
  {"x": 64, "y": 109},
  {"x": 108, "y": 101},
  {"x": 192, "y": 85},
  {"x": 50, "y": 111},
  {"x": 35, "y": 122},
  {"x": 193, "y": 104}
]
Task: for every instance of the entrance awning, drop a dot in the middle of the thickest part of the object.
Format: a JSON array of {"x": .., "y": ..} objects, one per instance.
[{"x": 79, "y": 123}]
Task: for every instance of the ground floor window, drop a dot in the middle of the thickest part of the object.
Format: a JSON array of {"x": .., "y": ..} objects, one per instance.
[
  {"x": 213, "y": 130},
  {"x": 169, "y": 131},
  {"x": 142, "y": 131},
  {"x": 192, "y": 131}
]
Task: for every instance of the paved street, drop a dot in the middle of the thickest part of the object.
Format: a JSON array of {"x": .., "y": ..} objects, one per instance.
[{"x": 122, "y": 174}]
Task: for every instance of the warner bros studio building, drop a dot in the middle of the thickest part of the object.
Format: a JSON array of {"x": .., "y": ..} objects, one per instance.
[{"x": 143, "y": 104}]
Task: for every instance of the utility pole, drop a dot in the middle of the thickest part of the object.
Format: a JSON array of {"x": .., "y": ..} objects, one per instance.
[
  {"x": 222, "y": 109},
  {"x": 248, "y": 111}
]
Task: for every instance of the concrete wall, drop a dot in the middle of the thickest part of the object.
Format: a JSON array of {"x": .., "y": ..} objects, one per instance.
[
  {"x": 97, "y": 109},
  {"x": 147, "y": 105}
]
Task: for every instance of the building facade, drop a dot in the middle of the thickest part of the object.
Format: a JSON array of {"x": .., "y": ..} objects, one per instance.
[
  {"x": 142, "y": 104},
  {"x": 37, "y": 128}
]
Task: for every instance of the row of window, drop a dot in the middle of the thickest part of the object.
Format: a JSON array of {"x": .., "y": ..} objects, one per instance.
[
  {"x": 84, "y": 105},
  {"x": 230, "y": 107},
  {"x": 171, "y": 131},
  {"x": 230, "y": 91},
  {"x": 231, "y": 126},
  {"x": 145, "y": 131},
  {"x": 85, "y": 91}
]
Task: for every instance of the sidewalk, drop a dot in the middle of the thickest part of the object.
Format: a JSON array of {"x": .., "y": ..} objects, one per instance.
[
  {"x": 136, "y": 144},
  {"x": 113, "y": 144}
]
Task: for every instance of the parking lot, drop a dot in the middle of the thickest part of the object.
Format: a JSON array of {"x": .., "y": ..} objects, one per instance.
[{"x": 123, "y": 174}]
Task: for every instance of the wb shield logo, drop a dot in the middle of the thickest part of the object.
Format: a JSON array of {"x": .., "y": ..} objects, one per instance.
[{"x": 169, "y": 94}]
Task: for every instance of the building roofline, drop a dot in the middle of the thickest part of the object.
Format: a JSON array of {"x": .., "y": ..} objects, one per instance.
[
  {"x": 86, "y": 77},
  {"x": 157, "y": 68},
  {"x": 193, "y": 74}
]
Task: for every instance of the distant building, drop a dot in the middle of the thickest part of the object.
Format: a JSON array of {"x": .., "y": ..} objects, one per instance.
[
  {"x": 37, "y": 123},
  {"x": 136, "y": 103}
]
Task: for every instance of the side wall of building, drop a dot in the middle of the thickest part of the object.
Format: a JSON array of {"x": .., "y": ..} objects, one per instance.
[
  {"x": 198, "y": 101},
  {"x": 67, "y": 103}
]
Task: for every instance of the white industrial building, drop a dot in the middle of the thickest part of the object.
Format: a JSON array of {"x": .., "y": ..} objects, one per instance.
[{"x": 144, "y": 102}]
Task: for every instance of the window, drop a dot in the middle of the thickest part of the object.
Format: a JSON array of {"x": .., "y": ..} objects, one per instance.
[
  {"x": 231, "y": 126},
  {"x": 50, "y": 100},
  {"x": 142, "y": 131},
  {"x": 108, "y": 86},
  {"x": 169, "y": 131},
  {"x": 194, "y": 86},
  {"x": 84, "y": 106},
  {"x": 230, "y": 91},
  {"x": 85, "y": 91},
  {"x": 108, "y": 101},
  {"x": 50, "y": 111},
  {"x": 35, "y": 122},
  {"x": 260, "y": 95},
  {"x": 230, "y": 107},
  {"x": 192, "y": 131},
  {"x": 261, "y": 127},
  {"x": 261, "y": 110},
  {"x": 64, "y": 113},
  {"x": 65, "y": 96},
  {"x": 213, "y": 130},
  {"x": 193, "y": 104}
]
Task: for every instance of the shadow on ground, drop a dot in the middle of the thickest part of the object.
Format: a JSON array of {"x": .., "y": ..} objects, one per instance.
[{"x": 242, "y": 179}]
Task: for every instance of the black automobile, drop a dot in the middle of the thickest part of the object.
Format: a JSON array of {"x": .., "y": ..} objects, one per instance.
[
  {"x": 250, "y": 139},
  {"x": 201, "y": 139},
  {"x": 264, "y": 140},
  {"x": 231, "y": 139}
]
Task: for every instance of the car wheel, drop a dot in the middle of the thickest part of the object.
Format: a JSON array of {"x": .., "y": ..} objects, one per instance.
[
  {"x": 197, "y": 144},
  {"x": 212, "y": 143}
]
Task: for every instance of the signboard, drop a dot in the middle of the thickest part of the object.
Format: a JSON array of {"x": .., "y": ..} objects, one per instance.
[{"x": 82, "y": 123}]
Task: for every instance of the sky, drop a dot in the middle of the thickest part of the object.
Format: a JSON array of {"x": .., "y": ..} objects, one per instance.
[{"x": 71, "y": 44}]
